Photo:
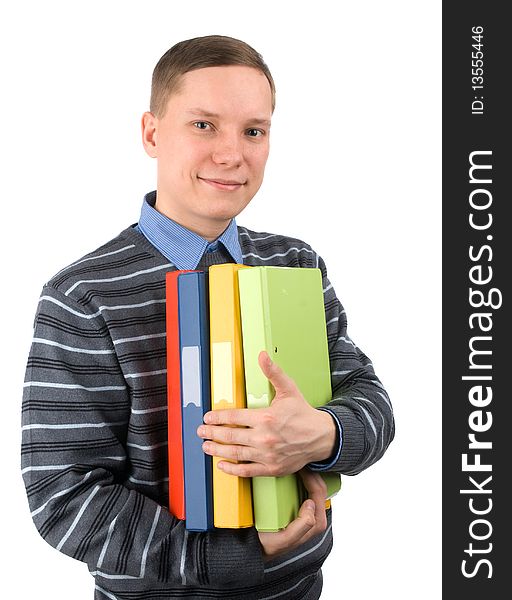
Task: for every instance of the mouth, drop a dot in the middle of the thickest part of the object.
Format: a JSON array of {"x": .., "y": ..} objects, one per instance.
[{"x": 223, "y": 184}]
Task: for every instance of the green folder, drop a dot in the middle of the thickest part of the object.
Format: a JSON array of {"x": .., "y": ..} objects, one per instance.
[{"x": 282, "y": 312}]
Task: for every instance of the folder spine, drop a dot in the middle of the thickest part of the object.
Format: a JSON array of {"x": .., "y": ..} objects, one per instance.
[
  {"x": 174, "y": 426},
  {"x": 275, "y": 499},
  {"x": 232, "y": 496},
  {"x": 195, "y": 391}
]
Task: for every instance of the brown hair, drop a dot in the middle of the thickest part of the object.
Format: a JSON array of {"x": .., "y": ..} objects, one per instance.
[{"x": 197, "y": 53}]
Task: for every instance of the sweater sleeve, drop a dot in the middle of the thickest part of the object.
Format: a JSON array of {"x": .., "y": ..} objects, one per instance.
[
  {"x": 360, "y": 402},
  {"x": 76, "y": 408}
]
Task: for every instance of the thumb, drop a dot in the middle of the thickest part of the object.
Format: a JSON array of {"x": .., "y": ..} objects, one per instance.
[
  {"x": 307, "y": 515},
  {"x": 301, "y": 525},
  {"x": 273, "y": 372}
]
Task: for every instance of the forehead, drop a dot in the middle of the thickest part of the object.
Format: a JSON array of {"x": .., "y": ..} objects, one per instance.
[{"x": 233, "y": 89}]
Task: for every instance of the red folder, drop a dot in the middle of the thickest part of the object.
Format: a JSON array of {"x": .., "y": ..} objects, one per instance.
[{"x": 175, "y": 448}]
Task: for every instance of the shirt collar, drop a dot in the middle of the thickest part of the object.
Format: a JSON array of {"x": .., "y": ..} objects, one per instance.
[{"x": 182, "y": 247}]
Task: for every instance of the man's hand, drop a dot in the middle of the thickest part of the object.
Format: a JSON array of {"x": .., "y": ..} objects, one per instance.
[
  {"x": 311, "y": 520},
  {"x": 272, "y": 441}
]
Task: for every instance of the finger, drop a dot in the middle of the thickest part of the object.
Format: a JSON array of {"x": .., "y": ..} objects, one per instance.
[
  {"x": 244, "y": 417},
  {"x": 244, "y": 469},
  {"x": 314, "y": 483},
  {"x": 298, "y": 532},
  {"x": 317, "y": 491},
  {"x": 229, "y": 451},
  {"x": 273, "y": 372},
  {"x": 320, "y": 513},
  {"x": 225, "y": 434},
  {"x": 301, "y": 526}
]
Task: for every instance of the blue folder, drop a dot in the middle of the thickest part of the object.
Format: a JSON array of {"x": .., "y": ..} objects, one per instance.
[{"x": 195, "y": 389}]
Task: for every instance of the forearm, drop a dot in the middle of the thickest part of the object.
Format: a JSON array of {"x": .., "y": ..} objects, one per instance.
[
  {"x": 76, "y": 416},
  {"x": 367, "y": 424},
  {"x": 359, "y": 400}
]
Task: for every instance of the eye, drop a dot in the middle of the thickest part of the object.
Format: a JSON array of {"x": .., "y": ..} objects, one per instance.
[
  {"x": 255, "y": 132},
  {"x": 203, "y": 125}
]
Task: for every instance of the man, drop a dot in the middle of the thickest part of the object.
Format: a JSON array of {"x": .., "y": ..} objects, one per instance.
[{"x": 94, "y": 448}]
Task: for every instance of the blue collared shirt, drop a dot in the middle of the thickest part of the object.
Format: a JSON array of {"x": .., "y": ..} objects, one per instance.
[{"x": 182, "y": 247}]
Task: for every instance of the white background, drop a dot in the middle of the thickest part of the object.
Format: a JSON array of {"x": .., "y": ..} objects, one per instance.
[{"x": 354, "y": 170}]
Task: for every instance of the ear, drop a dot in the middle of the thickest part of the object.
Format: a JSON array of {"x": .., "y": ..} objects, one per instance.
[{"x": 148, "y": 127}]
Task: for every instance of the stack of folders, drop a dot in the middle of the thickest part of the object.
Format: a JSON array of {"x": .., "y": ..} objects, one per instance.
[{"x": 217, "y": 324}]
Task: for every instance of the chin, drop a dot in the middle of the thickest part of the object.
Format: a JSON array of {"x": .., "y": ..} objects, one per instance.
[
  {"x": 225, "y": 209},
  {"x": 223, "y": 215}
]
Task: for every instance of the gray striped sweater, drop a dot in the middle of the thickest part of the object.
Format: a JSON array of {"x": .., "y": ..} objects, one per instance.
[{"x": 94, "y": 448}]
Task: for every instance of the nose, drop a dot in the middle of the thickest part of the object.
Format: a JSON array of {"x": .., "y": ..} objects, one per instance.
[{"x": 228, "y": 151}]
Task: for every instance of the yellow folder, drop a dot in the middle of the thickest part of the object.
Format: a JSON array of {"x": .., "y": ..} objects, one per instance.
[{"x": 232, "y": 497}]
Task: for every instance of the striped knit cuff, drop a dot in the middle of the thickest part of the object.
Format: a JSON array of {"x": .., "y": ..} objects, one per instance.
[
  {"x": 234, "y": 556},
  {"x": 328, "y": 464},
  {"x": 353, "y": 440}
]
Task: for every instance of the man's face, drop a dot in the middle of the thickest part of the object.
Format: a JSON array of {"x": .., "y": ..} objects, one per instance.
[{"x": 211, "y": 146}]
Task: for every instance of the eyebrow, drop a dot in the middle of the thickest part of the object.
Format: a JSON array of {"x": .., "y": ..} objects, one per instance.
[{"x": 200, "y": 112}]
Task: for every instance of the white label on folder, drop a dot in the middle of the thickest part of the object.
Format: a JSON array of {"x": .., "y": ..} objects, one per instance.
[
  {"x": 222, "y": 373},
  {"x": 190, "y": 376}
]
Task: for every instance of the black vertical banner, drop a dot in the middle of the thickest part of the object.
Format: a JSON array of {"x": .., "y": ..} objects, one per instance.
[{"x": 477, "y": 297}]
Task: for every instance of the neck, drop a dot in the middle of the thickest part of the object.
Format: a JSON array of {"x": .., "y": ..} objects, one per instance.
[{"x": 208, "y": 229}]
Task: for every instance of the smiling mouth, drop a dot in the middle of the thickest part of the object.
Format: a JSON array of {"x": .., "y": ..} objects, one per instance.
[{"x": 223, "y": 184}]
